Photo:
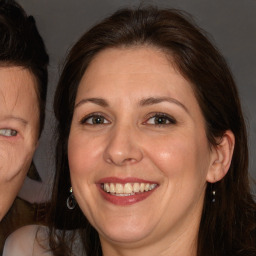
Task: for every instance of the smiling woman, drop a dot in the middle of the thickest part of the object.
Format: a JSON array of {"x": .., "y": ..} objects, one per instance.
[
  {"x": 23, "y": 83},
  {"x": 151, "y": 138},
  {"x": 150, "y": 128}
]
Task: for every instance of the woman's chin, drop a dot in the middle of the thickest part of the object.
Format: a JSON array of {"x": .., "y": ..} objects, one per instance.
[{"x": 125, "y": 234}]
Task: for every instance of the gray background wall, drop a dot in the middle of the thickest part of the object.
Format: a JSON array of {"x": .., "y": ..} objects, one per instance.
[{"x": 230, "y": 23}]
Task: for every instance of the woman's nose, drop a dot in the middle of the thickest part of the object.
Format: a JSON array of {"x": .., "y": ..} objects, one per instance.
[{"x": 123, "y": 147}]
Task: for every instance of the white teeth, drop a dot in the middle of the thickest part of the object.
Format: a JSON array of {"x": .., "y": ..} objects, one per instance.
[
  {"x": 106, "y": 187},
  {"x": 136, "y": 187},
  {"x": 152, "y": 186},
  {"x": 112, "y": 188},
  {"x": 127, "y": 189},
  {"x": 125, "y": 194},
  {"x": 119, "y": 188},
  {"x": 146, "y": 187}
]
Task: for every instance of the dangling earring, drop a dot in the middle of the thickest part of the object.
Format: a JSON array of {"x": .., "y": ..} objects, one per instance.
[
  {"x": 71, "y": 201},
  {"x": 213, "y": 193}
]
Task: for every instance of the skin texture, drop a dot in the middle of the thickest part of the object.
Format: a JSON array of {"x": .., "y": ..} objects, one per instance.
[
  {"x": 18, "y": 112},
  {"x": 131, "y": 143}
]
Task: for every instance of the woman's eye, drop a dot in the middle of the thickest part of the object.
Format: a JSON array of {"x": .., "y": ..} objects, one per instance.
[
  {"x": 94, "y": 120},
  {"x": 161, "y": 119},
  {"x": 8, "y": 132}
]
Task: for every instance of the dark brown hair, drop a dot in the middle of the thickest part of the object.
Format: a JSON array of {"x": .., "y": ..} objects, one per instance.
[
  {"x": 228, "y": 227},
  {"x": 21, "y": 45}
]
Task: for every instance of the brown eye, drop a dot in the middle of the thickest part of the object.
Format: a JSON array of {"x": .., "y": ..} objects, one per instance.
[
  {"x": 95, "y": 120},
  {"x": 98, "y": 120},
  {"x": 161, "y": 119}
]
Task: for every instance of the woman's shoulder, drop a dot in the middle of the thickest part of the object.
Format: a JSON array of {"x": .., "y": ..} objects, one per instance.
[{"x": 28, "y": 240}]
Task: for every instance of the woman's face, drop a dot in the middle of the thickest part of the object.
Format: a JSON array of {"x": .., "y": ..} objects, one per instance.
[
  {"x": 138, "y": 152},
  {"x": 19, "y": 124}
]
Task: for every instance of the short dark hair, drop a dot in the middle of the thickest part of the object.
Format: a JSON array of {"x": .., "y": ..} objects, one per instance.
[
  {"x": 22, "y": 45},
  {"x": 228, "y": 226}
]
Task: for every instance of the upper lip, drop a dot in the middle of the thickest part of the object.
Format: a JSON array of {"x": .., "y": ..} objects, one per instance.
[{"x": 125, "y": 180}]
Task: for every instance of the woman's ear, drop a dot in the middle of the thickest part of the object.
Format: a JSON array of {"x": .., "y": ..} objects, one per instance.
[{"x": 221, "y": 157}]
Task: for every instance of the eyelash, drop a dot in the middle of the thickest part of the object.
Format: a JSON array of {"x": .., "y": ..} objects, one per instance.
[
  {"x": 164, "y": 117},
  {"x": 93, "y": 115},
  {"x": 6, "y": 132}
]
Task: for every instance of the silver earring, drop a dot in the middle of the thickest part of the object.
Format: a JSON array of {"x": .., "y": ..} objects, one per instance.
[
  {"x": 213, "y": 194},
  {"x": 71, "y": 201}
]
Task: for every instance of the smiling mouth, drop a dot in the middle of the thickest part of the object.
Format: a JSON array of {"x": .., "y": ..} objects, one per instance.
[{"x": 127, "y": 189}]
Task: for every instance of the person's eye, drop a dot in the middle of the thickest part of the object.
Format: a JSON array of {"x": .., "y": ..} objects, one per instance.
[
  {"x": 8, "y": 132},
  {"x": 94, "y": 119},
  {"x": 160, "y": 119}
]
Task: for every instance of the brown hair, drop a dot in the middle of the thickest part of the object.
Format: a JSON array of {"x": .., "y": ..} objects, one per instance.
[
  {"x": 22, "y": 45},
  {"x": 228, "y": 227}
]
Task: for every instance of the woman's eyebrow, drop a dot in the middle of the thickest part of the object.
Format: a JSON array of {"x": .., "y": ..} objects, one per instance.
[
  {"x": 143, "y": 102},
  {"x": 98, "y": 101},
  {"x": 19, "y": 119},
  {"x": 153, "y": 100}
]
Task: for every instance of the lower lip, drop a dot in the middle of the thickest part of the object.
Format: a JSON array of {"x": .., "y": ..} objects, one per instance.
[{"x": 125, "y": 200}]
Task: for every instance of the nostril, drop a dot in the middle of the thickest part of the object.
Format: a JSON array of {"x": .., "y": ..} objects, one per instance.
[
  {"x": 121, "y": 161},
  {"x": 132, "y": 160},
  {"x": 108, "y": 160}
]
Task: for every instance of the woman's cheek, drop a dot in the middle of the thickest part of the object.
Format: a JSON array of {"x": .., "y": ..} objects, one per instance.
[
  {"x": 171, "y": 155},
  {"x": 13, "y": 160},
  {"x": 83, "y": 153}
]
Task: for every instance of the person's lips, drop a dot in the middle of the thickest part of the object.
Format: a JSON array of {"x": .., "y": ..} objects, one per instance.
[{"x": 125, "y": 191}]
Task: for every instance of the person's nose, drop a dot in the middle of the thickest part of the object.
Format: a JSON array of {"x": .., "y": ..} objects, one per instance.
[{"x": 123, "y": 147}]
